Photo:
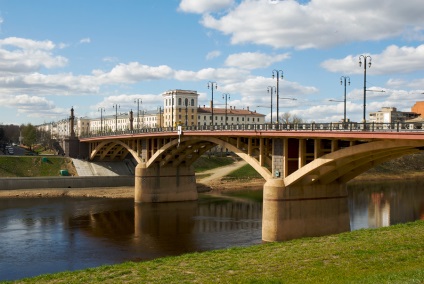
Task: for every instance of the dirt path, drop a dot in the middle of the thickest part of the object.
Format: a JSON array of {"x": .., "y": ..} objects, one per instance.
[{"x": 217, "y": 173}]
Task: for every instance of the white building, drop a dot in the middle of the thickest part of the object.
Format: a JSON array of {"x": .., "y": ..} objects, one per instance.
[
  {"x": 179, "y": 108},
  {"x": 391, "y": 115}
]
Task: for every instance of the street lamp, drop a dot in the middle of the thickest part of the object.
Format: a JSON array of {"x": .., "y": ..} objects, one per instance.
[
  {"x": 271, "y": 90},
  {"x": 277, "y": 75},
  {"x": 160, "y": 117},
  {"x": 210, "y": 85},
  {"x": 101, "y": 109},
  {"x": 227, "y": 97},
  {"x": 116, "y": 106},
  {"x": 138, "y": 101},
  {"x": 343, "y": 79},
  {"x": 365, "y": 57}
]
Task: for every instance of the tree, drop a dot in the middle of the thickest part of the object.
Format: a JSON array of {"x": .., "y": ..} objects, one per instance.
[
  {"x": 1, "y": 134},
  {"x": 288, "y": 118},
  {"x": 29, "y": 135}
]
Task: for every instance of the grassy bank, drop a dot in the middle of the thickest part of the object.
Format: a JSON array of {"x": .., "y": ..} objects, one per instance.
[
  {"x": 33, "y": 166},
  {"x": 387, "y": 255},
  {"x": 205, "y": 163}
]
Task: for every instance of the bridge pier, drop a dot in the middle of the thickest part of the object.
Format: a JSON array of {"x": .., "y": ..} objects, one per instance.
[
  {"x": 167, "y": 184},
  {"x": 303, "y": 211}
]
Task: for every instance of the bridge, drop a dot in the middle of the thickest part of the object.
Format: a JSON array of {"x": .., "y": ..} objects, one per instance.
[{"x": 303, "y": 165}]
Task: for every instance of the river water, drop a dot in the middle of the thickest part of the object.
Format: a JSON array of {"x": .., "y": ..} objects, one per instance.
[{"x": 39, "y": 236}]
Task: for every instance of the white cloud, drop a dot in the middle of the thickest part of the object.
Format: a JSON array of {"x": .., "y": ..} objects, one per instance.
[
  {"x": 203, "y": 6},
  {"x": 253, "y": 60},
  {"x": 85, "y": 40},
  {"x": 318, "y": 23},
  {"x": 213, "y": 54},
  {"x": 18, "y": 55},
  {"x": 132, "y": 73},
  {"x": 393, "y": 60}
]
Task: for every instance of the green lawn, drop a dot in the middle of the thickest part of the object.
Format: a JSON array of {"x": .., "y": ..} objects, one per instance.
[
  {"x": 32, "y": 166},
  {"x": 387, "y": 255}
]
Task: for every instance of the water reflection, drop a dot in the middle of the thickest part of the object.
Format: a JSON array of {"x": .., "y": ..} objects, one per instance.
[
  {"x": 49, "y": 235},
  {"x": 374, "y": 204},
  {"x": 309, "y": 218}
]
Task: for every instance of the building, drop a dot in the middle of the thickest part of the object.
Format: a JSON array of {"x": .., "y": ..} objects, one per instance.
[
  {"x": 231, "y": 116},
  {"x": 391, "y": 115},
  {"x": 179, "y": 108},
  {"x": 418, "y": 108}
]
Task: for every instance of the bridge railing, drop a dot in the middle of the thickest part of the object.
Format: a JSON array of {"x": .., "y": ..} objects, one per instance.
[{"x": 332, "y": 126}]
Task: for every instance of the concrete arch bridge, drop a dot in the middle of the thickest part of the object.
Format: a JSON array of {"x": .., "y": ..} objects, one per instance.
[{"x": 299, "y": 166}]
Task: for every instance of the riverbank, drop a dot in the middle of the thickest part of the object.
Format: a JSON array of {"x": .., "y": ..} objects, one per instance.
[
  {"x": 392, "y": 254},
  {"x": 214, "y": 186}
]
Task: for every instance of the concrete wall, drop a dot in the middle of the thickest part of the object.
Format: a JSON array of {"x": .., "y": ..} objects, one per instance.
[{"x": 65, "y": 182}]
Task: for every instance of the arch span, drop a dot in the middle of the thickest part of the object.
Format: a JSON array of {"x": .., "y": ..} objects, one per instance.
[
  {"x": 193, "y": 148},
  {"x": 109, "y": 144},
  {"x": 345, "y": 164}
]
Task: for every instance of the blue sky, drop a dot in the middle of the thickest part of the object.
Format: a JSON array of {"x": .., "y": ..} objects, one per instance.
[{"x": 55, "y": 55}]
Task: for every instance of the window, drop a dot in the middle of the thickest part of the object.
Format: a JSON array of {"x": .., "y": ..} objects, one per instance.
[
  {"x": 179, "y": 101},
  {"x": 192, "y": 102}
]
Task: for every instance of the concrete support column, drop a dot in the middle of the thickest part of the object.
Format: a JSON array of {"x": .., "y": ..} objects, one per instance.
[
  {"x": 303, "y": 211},
  {"x": 302, "y": 152},
  {"x": 166, "y": 184}
]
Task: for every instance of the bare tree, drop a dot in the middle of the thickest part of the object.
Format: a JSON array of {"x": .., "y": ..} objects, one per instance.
[{"x": 287, "y": 118}]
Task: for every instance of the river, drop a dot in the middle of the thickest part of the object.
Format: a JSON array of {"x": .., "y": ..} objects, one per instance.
[{"x": 39, "y": 236}]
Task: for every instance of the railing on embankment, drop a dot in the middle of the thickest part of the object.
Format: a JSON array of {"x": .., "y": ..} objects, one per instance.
[{"x": 348, "y": 126}]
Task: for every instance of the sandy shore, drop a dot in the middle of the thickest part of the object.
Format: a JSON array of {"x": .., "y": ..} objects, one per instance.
[
  {"x": 212, "y": 186},
  {"x": 120, "y": 192}
]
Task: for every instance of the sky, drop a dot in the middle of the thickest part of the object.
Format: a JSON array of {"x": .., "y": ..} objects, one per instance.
[{"x": 101, "y": 54}]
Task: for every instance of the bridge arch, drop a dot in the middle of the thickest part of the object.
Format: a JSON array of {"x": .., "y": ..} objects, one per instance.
[
  {"x": 109, "y": 144},
  {"x": 192, "y": 148},
  {"x": 345, "y": 164}
]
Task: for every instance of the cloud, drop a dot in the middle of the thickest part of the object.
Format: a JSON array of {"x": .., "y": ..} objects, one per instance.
[
  {"x": 85, "y": 40},
  {"x": 318, "y": 23},
  {"x": 203, "y": 6},
  {"x": 133, "y": 72},
  {"x": 393, "y": 60},
  {"x": 213, "y": 54},
  {"x": 253, "y": 60},
  {"x": 18, "y": 55}
]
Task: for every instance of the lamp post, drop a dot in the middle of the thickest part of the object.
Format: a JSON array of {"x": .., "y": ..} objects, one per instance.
[
  {"x": 271, "y": 90},
  {"x": 116, "y": 106},
  {"x": 101, "y": 109},
  {"x": 365, "y": 57},
  {"x": 138, "y": 101},
  {"x": 276, "y": 73},
  {"x": 211, "y": 85},
  {"x": 160, "y": 116},
  {"x": 343, "y": 80},
  {"x": 227, "y": 97}
]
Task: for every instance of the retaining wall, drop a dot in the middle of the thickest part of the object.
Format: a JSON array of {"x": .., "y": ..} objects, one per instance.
[{"x": 65, "y": 182}]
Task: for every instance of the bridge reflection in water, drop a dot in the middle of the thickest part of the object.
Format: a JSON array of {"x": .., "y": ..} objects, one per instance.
[{"x": 179, "y": 227}]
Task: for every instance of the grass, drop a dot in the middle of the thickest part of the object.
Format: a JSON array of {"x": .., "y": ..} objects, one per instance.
[
  {"x": 32, "y": 166},
  {"x": 205, "y": 163},
  {"x": 244, "y": 173},
  {"x": 386, "y": 255}
]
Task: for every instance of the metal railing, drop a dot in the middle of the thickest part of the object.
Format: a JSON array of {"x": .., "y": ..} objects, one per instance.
[{"x": 348, "y": 126}]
